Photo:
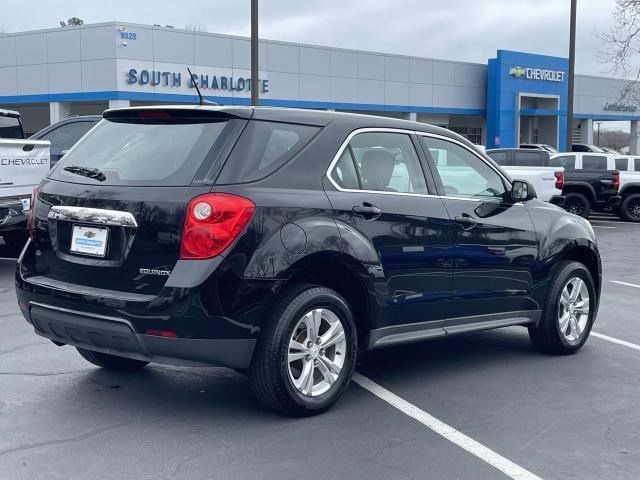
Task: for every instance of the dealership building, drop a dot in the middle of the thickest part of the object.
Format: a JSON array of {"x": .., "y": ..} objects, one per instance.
[{"x": 513, "y": 98}]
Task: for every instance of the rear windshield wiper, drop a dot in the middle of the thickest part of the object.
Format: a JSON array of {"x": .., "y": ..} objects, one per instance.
[{"x": 86, "y": 172}]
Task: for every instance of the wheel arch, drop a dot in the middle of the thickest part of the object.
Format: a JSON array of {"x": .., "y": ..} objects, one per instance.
[
  {"x": 586, "y": 255},
  {"x": 582, "y": 188}
]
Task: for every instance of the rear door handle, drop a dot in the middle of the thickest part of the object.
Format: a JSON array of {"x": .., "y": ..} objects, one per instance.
[
  {"x": 367, "y": 211},
  {"x": 466, "y": 221}
]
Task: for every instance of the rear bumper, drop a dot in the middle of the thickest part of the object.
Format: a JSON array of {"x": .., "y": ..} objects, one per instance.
[
  {"x": 117, "y": 336},
  {"x": 614, "y": 201},
  {"x": 12, "y": 217}
]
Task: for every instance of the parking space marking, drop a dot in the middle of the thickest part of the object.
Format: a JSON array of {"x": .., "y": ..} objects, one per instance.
[
  {"x": 624, "y": 343},
  {"x": 625, "y": 283},
  {"x": 485, "y": 454},
  {"x": 602, "y": 226}
]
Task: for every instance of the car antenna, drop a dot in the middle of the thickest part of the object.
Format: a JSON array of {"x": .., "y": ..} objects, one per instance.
[{"x": 202, "y": 101}]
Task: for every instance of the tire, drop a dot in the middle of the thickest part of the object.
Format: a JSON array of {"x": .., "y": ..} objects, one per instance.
[
  {"x": 548, "y": 336},
  {"x": 630, "y": 208},
  {"x": 577, "y": 204},
  {"x": 273, "y": 376},
  {"x": 111, "y": 362}
]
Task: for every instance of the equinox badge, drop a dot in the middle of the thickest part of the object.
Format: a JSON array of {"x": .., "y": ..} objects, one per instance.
[{"x": 155, "y": 271}]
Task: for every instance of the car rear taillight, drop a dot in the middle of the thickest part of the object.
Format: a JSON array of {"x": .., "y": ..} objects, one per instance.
[
  {"x": 616, "y": 181},
  {"x": 32, "y": 213},
  {"x": 213, "y": 221},
  {"x": 559, "y": 180}
]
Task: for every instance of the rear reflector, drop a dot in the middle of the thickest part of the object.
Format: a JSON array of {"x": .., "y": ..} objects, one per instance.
[
  {"x": 559, "y": 180},
  {"x": 161, "y": 333},
  {"x": 213, "y": 221},
  {"x": 616, "y": 181},
  {"x": 32, "y": 213}
]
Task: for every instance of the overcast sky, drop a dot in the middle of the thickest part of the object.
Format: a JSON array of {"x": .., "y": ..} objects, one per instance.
[{"x": 470, "y": 30}]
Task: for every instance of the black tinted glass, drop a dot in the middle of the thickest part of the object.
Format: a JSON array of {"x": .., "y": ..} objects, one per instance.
[
  {"x": 10, "y": 127},
  {"x": 144, "y": 151},
  {"x": 621, "y": 164},
  {"x": 499, "y": 157},
  {"x": 262, "y": 148},
  {"x": 566, "y": 161},
  {"x": 528, "y": 159},
  {"x": 594, "y": 162}
]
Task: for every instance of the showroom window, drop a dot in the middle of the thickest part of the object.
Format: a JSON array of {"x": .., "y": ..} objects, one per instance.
[{"x": 473, "y": 134}]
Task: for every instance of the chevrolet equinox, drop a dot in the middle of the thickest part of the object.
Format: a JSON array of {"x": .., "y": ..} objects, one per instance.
[{"x": 283, "y": 243}]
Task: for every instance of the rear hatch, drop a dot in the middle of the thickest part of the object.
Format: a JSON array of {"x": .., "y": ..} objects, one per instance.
[{"x": 110, "y": 214}]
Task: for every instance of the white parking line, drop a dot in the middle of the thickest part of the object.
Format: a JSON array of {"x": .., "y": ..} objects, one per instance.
[
  {"x": 460, "y": 439},
  {"x": 602, "y": 336},
  {"x": 625, "y": 283},
  {"x": 602, "y": 226}
]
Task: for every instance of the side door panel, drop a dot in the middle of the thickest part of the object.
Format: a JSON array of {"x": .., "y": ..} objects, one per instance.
[
  {"x": 410, "y": 233},
  {"x": 495, "y": 244}
]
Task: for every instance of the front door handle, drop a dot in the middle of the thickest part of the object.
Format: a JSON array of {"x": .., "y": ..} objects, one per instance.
[
  {"x": 466, "y": 221},
  {"x": 367, "y": 211}
]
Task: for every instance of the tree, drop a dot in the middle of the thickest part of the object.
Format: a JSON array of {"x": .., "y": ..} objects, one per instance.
[
  {"x": 71, "y": 22},
  {"x": 616, "y": 139}
]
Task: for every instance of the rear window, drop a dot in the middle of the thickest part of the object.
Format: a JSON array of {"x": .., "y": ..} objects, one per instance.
[
  {"x": 636, "y": 165},
  {"x": 528, "y": 159},
  {"x": 499, "y": 157},
  {"x": 10, "y": 127},
  {"x": 594, "y": 162},
  {"x": 262, "y": 148},
  {"x": 154, "y": 148},
  {"x": 566, "y": 161}
]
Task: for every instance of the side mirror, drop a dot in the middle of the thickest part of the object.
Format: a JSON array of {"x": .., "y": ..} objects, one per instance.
[{"x": 522, "y": 191}]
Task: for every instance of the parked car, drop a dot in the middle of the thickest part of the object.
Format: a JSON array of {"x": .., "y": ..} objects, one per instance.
[
  {"x": 610, "y": 150},
  {"x": 64, "y": 134},
  {"x": 10, "y": 124},
  {"x": 532, "y": 166},
  {"x": 539, "y": 146},
  {"x": 589, "y": 183},
  {"x": 23, "y": 164},
  {"x": 584, "y": 147},
  {"x": 304, "y": 238},
  {"x": 629, "y": 168}
]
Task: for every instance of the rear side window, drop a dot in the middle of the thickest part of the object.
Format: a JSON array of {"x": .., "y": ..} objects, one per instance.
[
  {"x": 622, "y": 164},
  {"x": 566, "y": 161},
  {"x": 262, "y": 148},
  {"x": 528, "y": 159},
  {"x": 499, "y": 157},
  {"x": 594, "y": 162}
]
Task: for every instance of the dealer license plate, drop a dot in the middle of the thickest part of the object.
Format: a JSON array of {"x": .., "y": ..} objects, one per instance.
[{"x": 89, "y": 240}]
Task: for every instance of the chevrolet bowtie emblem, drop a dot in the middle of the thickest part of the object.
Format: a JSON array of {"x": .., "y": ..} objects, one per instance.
[
  {"x": 517, "y": 72},
  {"x": 89, "y": 234}
]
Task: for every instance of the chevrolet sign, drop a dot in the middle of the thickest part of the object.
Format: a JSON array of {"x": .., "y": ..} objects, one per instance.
[{"x": 537, "y": 74}]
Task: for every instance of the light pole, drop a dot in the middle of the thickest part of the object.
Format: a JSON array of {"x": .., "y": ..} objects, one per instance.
[
  {"x": 572, "y": 64},
  {"x": 255, "y": 84}
]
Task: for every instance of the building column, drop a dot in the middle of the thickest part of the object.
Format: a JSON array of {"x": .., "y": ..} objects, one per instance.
[
  {"x": 58, "y": 111},
  {"x": 413, "y": 116},
  {"x": 119, "y": 103},
  {"x": 586, "y": 131},
  {"x": 634, "y": 141}
]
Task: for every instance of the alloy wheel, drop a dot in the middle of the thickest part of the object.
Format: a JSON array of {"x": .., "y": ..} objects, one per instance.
[
  {"x": 316, "y": 353},
  {"x": 573, "y": 309},
  {"x": 576, "y": 207},
  {"x": 633, "y": 208}
]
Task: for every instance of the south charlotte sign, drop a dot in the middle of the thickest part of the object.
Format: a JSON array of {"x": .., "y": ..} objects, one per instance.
[{"x": 157, "y": 78}]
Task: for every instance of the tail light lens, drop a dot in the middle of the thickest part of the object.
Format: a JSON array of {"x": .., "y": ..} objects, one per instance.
[
  {"x": 559, "y": 180},
  {"x": 213, "y": 221},
  {"x": 616, "y": 181},
  {"x": 32, "y": 213}
]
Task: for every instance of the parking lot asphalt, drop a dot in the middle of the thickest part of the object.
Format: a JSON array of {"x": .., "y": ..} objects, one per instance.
[{"x": 555, "y": 417}]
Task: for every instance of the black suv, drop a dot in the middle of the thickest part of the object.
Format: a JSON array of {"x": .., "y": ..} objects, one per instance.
[{"x": 284, "y": 242}]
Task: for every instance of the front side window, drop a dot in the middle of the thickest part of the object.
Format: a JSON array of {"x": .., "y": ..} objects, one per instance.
[
  {"x": 594, "y": 162},
  {"x": 382, "y": 162},
  {"x": 462, "y": 173},
  {"x": 568, "y": 162}
]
